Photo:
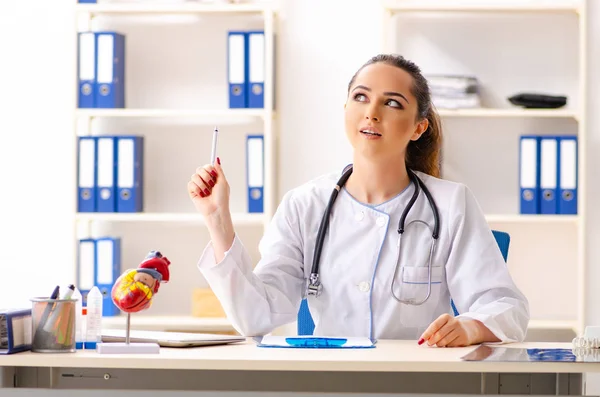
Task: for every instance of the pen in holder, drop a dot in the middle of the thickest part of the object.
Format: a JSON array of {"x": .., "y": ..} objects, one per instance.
[
  {"x": 53, "y": 325},
  {"x": 133, "y": 292}
]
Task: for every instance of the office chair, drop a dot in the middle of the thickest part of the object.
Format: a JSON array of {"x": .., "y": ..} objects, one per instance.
[{"x": 306, "y": 326}]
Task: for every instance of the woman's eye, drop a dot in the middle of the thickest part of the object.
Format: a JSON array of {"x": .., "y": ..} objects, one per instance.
[
  {"x": 394, "y": 103},
  {"x": 360, "y": 97}
]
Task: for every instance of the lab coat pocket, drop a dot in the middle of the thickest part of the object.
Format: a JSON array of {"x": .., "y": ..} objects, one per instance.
[{"x": 419, "y": 298}]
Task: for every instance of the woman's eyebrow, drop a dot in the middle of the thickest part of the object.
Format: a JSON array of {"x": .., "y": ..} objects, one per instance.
[
  {"x": 388, "y": 93},
  {"x": 391, "y": 93}
]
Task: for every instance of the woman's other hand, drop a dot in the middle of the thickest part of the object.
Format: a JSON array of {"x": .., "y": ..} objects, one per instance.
[{"x": 449, "y": 331}]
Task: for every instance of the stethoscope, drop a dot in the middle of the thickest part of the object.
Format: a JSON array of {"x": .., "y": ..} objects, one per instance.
[{"x": 314, "y": 286}]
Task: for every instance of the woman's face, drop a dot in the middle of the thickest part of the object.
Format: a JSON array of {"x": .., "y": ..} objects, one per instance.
[{"x": 381, "y": 112}]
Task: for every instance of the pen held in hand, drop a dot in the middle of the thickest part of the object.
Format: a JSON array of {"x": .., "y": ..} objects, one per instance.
[{"x": 213, "y": 154}]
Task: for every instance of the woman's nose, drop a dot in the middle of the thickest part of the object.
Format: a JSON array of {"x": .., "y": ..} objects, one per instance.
[{"x": 371, "y": 114}]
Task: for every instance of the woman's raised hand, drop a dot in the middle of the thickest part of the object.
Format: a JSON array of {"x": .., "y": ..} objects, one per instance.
[{"x": 209, "y": 190}]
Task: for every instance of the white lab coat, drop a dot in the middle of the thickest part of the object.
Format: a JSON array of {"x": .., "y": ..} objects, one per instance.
[{"x": 357, "y": 264}]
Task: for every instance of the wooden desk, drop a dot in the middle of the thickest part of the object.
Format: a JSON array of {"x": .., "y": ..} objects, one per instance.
[{"x": 392, "y": 367}]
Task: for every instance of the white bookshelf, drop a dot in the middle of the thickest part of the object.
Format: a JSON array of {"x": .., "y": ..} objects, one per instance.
[
  {"x": 517, "y": 222},
  {"x": 267, "y": 10},
  {"x": 207, "y": 114},
  {"x": 537, "y": 6},
  {"x": 529, "y": 219},
  {"x": 238, "y": 218},
  {"x": 261, "y": 121},
  {"x": 177, "y": 8},
  {"x": 510, "y": 113}
]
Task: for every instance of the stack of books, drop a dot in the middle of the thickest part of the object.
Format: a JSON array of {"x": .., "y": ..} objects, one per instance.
[{"x": 454, "y": 91}]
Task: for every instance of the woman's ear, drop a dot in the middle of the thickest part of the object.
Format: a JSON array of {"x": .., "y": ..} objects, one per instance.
[{"x": 420, "y": 130}]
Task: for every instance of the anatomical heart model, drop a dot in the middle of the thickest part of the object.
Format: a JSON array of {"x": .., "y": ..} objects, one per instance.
[
  {"x": 133, "y": 292},
  {"x": 135, "y": 288}
]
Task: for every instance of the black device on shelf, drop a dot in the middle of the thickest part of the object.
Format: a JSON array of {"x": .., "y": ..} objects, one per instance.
[{"x": 537, "y": 101}]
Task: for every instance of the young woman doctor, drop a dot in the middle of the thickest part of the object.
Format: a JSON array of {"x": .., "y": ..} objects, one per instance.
[{"x": 372, "y": 280}]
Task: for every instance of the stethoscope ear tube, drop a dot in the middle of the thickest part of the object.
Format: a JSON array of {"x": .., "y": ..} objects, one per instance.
[
  {"x": 414, "y": 197},
  {"x": 436, "y": 215},
  {"x": 314, "y": 284}
]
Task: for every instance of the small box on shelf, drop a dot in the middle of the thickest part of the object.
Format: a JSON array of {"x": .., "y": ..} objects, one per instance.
[{"x": 206, "y": 304}]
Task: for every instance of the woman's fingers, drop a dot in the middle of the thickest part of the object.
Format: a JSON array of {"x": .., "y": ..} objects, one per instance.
[
  {"x": 194, "y": 190},
  {"x": 202, "y": 183},
  {"x": 449, "y": 338},
  {"x": 444, "y": 331},
  {"x": 210, "y": 171},
  {"x": 208, "y": 175},
  {"x": 217, "y": 167},
  {"x": 204, "y": 180},
  {"x": 199, "y": 182},
  {"x": 434, "y": 328}
]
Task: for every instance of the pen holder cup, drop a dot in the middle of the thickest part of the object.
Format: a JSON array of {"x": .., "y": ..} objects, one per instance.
[{"x": 53, "y": 325}]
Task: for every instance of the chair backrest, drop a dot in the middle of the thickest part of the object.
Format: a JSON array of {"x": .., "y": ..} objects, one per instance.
[
  {"x": 306, "y": 325},
  {"x": 503, "y": 240}
]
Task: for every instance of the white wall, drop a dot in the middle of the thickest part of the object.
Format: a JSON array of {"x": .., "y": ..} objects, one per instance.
[{"x": 36, "y": 164}]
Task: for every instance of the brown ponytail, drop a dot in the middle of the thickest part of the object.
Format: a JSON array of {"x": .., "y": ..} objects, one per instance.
[{"x": 423, "y": 154}]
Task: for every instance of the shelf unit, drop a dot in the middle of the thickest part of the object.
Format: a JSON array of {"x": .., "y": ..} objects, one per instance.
[
  {"x": 86, "y": 14},
  {"x": 238, "y": 218},
  {"x": 510, "y": 113},
  {"x": 548, "y": 219},
  {"x": 391, "y": 8},
  {"x": 206, "y": 114},
  {"x": 267, "y": 10},
  {"x": 267, "y": 114},
  {"x": 170, "y": 9},
  {"x": 485, "y": 5}
]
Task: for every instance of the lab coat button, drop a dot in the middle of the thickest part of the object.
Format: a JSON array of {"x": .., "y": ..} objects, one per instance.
[
  {"x": 364, "y": 286},
  {"x": 381, "y": 221},
  {"x": 359, "y": 216}
]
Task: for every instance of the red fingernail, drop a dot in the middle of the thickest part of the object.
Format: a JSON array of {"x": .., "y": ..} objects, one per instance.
[
  {"x": 211, "y": 183},
  {"x": 219, "y": 161},
  {"x": 421, "y": 341},
  {"x": 206, "y": 192},
  {"x": 201, "y": 194},
  {"x": 213, "y": 173}
]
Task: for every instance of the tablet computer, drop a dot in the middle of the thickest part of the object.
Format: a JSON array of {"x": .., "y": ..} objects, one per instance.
[{"x": 516, "y": 354}]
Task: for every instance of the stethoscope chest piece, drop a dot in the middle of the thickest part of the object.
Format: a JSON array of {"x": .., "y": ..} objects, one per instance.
[{"x": 314, "y": 285}]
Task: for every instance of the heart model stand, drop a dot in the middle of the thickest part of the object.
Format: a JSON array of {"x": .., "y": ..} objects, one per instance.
[{"x": 133, "y": 292}]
